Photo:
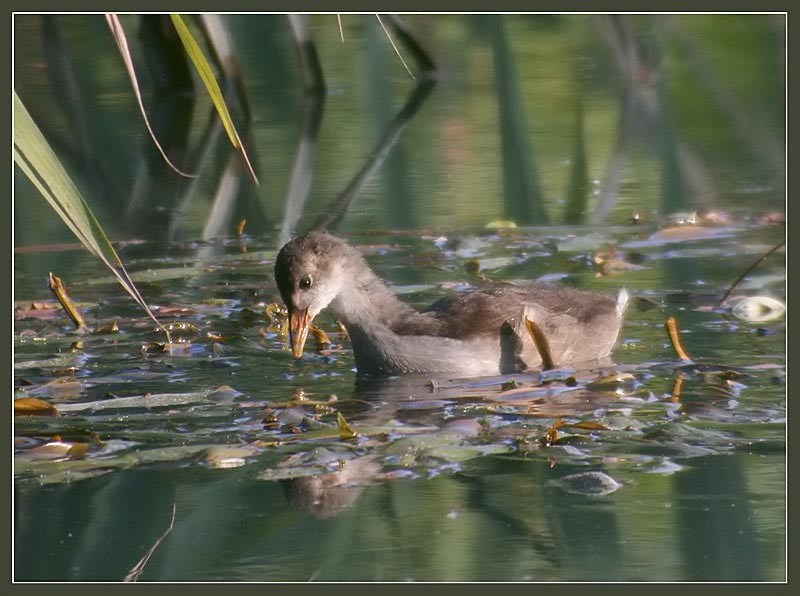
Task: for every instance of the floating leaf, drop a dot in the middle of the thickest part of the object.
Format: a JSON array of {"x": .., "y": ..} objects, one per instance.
[
  {"x": 223, "y": 457},
  {"x": 687, "y": 232},
  {"x": 65, "y": 360},
  {"x": 111, "y": 327},
  {"x": 39, "y": 310},
  {"x": 681, "y": 233},
  {"x": 533, "y": 394},
  {"x": 609, "y": 263},
  {"x": 501, "y": 223},
  {"x": 465, "y": 427},
  {"x": 224, "y": 392},
  {"x": 155, "y": 275},
  {"x": 293, "y": 417},
  {"x": 57, "y": 449},
  {"x": 587, "y": 425},
  {"x": 458, "y": 452},
  {"x": 614, "y": 383},
  {"x": 177, "y": 348},
  {"x": 757, "y": 309},
  {"x": 30, "y": 406},
  {"x": 60, "y": 388},
  {"x": 324, "y": 434},
  {"x": 161, "y": 400},
  {"x": 773, "y": 217},
  {"x": 584, "y": 243},
  {"x": 594, "y": 484}
]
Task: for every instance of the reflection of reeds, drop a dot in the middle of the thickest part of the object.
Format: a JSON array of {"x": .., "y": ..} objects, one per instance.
[
  {"x": 76, "y": 145},
  {"x": 645, "y": 108},
  {"x": 206, "y": 74},
  {"x": 619, "y": 37},
  {"x": 524, "y": 200},
  {"x": 686, "y": 178},
  {"x": 313, "y": 108},
  {"x": 378, "y": 155},
  {"x": 122, "y": 43},
  {"x": 425, "y": 83},
  {"x": 157, "y": 202},
  {"x": 747, "y": 122},
  {"x": 578, "y": 189}
]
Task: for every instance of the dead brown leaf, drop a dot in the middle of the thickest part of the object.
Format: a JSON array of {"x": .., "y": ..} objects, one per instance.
[{"x": 31, "y": 406}]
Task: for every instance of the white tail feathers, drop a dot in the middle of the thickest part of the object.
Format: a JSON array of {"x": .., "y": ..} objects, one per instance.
[{"x": 622, "y": 301}]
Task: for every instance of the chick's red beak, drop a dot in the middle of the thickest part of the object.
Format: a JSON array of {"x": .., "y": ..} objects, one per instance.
[{"x": 299, "y": 322}]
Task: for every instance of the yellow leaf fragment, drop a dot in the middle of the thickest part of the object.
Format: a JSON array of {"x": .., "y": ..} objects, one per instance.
[
  {"x": 345, "y": 430},
  {"x": 551, "y": 436}
]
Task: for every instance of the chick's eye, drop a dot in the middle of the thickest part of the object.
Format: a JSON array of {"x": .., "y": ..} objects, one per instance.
[{"x": 305, "y": 282}]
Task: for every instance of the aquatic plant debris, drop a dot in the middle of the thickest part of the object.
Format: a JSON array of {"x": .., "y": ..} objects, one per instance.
[
  {"x": 592, "y": 484},
  {"x": 250, "y": 406}
]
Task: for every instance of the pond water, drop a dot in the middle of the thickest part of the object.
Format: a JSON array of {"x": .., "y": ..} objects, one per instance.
[{"x": 650, "y": 469}]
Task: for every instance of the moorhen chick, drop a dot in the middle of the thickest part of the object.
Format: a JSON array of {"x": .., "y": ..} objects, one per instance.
[{"x": 471, "y": 333}]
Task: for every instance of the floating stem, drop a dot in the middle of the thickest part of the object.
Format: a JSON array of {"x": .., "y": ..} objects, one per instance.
[
  {"x": 60, "y": 292},
  {"x": 541, "y": 343},
  {"x": 675, "y": 340}
]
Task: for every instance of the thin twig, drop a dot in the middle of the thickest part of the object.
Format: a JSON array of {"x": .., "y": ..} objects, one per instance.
[
  {"x": 394, "y": 46},
  {"x": 341, "y": 31},
  {"x": 122, "y": 44},
  {"x": 133, "y": 574},
  {"x": 198, "y": 59},
  {"x": 675, "y": 340},
  {"x": 313, "y": 109},
  {"x": 748, "y": 270},
  {"x": 406, "y": 36}
]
